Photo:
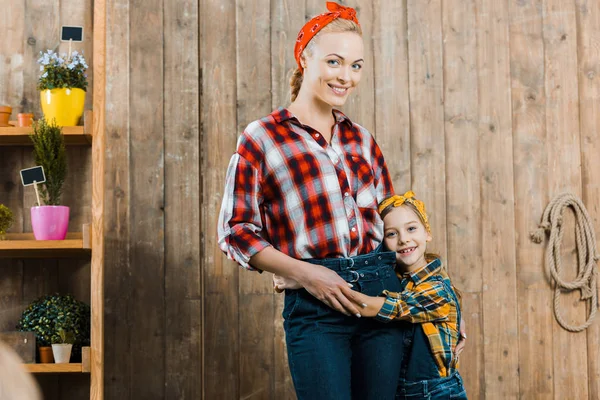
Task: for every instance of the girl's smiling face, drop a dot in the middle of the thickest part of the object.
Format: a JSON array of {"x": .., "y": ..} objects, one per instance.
[
  {"x": 405, "y": 234},
  {"x": 334, "y": 68}
]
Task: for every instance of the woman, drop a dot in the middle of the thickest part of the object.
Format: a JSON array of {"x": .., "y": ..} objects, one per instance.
[{"x": 300, "y": 201}]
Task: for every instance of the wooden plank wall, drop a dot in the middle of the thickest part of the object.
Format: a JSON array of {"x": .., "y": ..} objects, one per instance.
[{"x": 487, "y": 109}]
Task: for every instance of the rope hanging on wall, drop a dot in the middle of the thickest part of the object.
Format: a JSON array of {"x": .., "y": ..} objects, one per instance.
[{"x": 587, "y": 254}]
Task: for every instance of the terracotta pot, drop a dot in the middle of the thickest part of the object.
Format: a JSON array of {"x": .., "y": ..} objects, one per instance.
[
  {"x": 46, "y": 355},
  {"x": 25, "y": 119},
  {"x": 5, "y": 112}
]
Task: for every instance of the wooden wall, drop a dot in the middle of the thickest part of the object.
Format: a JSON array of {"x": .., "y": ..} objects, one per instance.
[
  {"x": 486, "y": 108},
  {"x": 28, "y": 27}
]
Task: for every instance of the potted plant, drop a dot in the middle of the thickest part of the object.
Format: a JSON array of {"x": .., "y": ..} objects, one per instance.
[
  {"x": 50, "y": 220},
  {"x": 6, "y": 220},
  {"x": 61, "y": 348},
  {"x": 62, "y": 86},
  {"x": 47, "y": 314}
]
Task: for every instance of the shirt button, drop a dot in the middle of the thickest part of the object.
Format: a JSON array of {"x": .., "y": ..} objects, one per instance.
[
  {"x": 346, "y": 194},
  {"x": 317, "y": 135},
  {"x": 353, "y": 229}
]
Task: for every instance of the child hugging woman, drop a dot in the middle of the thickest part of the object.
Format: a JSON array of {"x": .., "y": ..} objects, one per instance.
[{"x": 427, "y": 300}]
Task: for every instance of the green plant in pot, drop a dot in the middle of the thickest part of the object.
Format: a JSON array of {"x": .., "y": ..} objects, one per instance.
[
  {"x": 62, "y": 86},
  {"x": 47, "y": 315},
  {"x": 6, "y": 220},
  {"x": 61, "y": 347},
  {"x": 51, "y": 220}
]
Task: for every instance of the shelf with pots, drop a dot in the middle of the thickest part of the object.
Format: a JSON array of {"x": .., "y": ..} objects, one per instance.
[
  {"x": 15, "y": 135},
  {"x": 66, "y": 368}
]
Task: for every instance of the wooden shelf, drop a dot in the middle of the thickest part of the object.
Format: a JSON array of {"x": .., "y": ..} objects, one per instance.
[
  {"x": 74, "y": 135},
  {"x": 54, "y": 368},
  {"x": 24, "y": 245}
]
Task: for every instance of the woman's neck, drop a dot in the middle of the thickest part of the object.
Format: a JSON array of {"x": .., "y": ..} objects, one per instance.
[{"x": 313, "y": 113}]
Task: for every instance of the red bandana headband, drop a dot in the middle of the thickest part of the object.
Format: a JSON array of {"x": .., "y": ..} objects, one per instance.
[{"x": 312, "y": 27}]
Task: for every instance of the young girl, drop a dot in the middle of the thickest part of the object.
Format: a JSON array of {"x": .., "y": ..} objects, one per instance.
[
  {"x": 427, "y": 300},
  {"x": 300, "y": 200}
]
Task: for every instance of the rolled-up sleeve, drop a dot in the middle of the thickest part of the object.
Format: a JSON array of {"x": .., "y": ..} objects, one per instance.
[{"x": 240, "y": 225}]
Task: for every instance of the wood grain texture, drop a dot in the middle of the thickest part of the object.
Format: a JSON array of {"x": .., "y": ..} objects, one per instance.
[
  {"x": 218, "y": 139},
  {"x": 497, "y": 202},
  {"x": 183, "y": 278},
  {"x": 463, "y": 171},
  {"x": 427, "y": 143},
  {"x": 564, "y": 174},
  {"x": 391, "y": 102},
  {"x": 118, "y": 270},
  {"x": 531, "y": 197},
  {"x": 147, "y": 201},
  {"x": 588, "y": 43}
]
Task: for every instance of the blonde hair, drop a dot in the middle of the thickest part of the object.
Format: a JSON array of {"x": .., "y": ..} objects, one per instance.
[
  {"x": 335, "y": 26},
  {"x": 15, "y": 381}
]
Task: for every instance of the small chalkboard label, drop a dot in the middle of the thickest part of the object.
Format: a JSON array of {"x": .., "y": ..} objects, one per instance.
[
  {"x": 74, "y": 33},
  {"x": 33, "y": 175}
]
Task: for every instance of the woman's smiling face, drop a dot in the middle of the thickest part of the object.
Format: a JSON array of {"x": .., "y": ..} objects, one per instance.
[{"x": 334, "y": 68}]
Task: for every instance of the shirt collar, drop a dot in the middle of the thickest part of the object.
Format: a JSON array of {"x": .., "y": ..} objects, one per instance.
[
  {"x": 421, "y": 275},
  {"x": 283, "y": 114}
]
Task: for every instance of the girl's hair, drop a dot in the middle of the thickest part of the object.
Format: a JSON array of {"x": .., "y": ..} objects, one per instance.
[
  {"x": 335, "y": 26},
  {"x": 429, "y": 257}
]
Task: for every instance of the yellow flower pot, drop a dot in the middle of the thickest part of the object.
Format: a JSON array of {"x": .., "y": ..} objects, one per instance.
[{"x": 64, "y": 105}]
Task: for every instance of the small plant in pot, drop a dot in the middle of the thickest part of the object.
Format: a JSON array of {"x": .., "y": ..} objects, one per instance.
[
  {"x": 62, "y": 344},
  {"x": 51, "y": 220},
  {"x": 62, "y": 86},
  {"x": 47, "y": 315},
  {"x": 6, "y": 220}
]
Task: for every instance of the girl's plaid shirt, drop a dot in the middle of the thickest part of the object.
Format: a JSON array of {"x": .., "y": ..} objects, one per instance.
[
  {"x": 428, "y": 299},
  {"x": 287, "y": 187}
]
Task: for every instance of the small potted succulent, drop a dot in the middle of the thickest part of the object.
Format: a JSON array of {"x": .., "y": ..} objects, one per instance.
[
  {"x": 62, "y": 86},
  {"x": 6, "y": 220},
  {"x": 47, "y": 315},
  {"x": 50, "y": 220}
]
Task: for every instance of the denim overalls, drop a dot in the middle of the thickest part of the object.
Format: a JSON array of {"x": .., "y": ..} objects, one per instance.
[
  {"x": 419, "y": 375},
  {"x": 337, "y": 357}
]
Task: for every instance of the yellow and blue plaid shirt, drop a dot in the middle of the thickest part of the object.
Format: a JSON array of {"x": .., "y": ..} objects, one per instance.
[{"x": 426, "y": 300}]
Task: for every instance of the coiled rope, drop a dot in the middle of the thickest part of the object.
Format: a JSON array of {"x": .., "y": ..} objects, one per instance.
[{"x": 587, "y": 254}]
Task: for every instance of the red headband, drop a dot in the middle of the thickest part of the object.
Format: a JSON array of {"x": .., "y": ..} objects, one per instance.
[{"x": 312, "y": 27}]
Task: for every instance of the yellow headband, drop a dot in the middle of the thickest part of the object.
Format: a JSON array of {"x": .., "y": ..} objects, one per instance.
[{"x": 407, "y": 197}]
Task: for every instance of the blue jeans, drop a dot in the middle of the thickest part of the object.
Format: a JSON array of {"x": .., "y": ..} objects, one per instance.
[
  {"x": 451, "y": 387},
  {"x": 333, "y": 356}
]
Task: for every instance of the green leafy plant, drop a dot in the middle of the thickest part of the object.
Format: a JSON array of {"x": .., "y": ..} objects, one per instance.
[
  {"x": 6, "y": 220},
  {"x": 49, "y": 151},
  {"x": 66, "y": 337},
  {"x": 60, "y": 71},
  {"x": 48, "y": 315}
]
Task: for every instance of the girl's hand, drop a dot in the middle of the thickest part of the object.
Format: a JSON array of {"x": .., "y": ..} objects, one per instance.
[
  {"x": 462, "y": 339},
  {"x": 370, "y": 305},
  {"x": 280, "y": 283}
]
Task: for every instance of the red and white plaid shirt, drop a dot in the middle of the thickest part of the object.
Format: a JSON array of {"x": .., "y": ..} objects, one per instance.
[{"x": 287, "y": 187}]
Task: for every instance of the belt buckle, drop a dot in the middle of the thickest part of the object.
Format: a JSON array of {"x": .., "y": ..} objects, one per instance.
[{"x": 355, "y": 276}]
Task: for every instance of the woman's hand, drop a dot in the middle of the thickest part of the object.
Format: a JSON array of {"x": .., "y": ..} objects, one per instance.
[
  {"x": 281, "y": 283},
  {"x": 370, "y": 305},
  {"x": 327, "y": 286}
]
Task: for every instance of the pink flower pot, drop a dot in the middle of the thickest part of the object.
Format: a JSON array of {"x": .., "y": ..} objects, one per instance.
[{"x": 50, "y": 222}]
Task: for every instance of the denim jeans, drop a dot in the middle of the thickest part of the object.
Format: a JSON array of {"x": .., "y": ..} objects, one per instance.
[
  {"x": 337, "y": 357},
  {"x": 451, "y": 387}
]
